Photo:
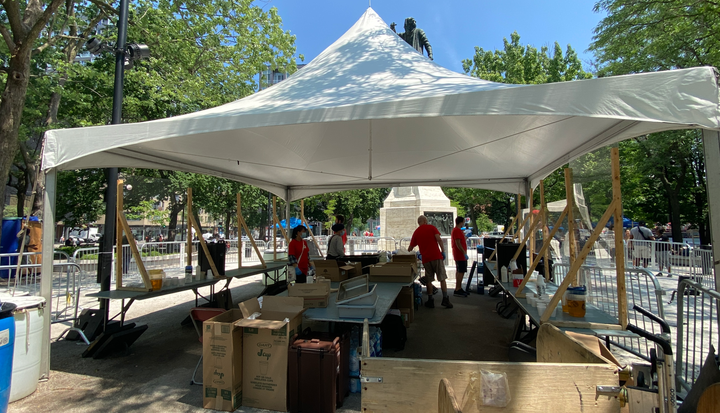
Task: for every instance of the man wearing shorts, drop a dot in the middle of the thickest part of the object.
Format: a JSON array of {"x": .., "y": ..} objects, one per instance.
[
  {"x": 459, "y": 249},
  {"x": 427, "y": 238},
  {"x": 641, "y": 249}
]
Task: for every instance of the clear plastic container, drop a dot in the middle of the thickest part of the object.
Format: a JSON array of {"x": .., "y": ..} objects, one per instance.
[{"x": 576, "y": 301}]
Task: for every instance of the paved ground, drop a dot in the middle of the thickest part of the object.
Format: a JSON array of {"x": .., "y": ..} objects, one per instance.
[{"x": 154, "y": 375}]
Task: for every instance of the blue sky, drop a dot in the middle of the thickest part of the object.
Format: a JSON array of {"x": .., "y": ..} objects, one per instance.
[{"x": 453, "y": 27}]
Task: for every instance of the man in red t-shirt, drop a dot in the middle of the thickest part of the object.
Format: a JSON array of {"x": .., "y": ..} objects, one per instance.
[
  {"x": 459, "y": 249},
  {"x": 427, "y": 238}
]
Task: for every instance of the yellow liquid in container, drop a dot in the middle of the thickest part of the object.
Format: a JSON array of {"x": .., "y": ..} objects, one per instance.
[
  {"x": 576, "y": 308},
  {"x": 156, "y": 284}
]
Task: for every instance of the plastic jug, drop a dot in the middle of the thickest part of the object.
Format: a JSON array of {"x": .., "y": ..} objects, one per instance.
[{"x": 576, "y": 301}]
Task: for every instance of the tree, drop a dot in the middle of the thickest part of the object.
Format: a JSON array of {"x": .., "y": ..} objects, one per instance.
[
  {"x": 21, "y": 24},
  {"x": 80, "y": 207},
  {"x": 650, "y": 35},
  {"x": 518, "y": 64}
]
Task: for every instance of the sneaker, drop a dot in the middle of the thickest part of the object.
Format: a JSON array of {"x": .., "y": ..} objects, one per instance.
[
  {"x": 460, "y": 293},
  {"x": 446, "y": 302},
  {"x": 435, "y": 289},
  {"x": 430, "y": 303}
]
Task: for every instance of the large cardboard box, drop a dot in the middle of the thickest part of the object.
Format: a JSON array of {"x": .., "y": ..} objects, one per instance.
[
  {"x": 408, "y": 259},
  {"x": 223, "y": 362},
  {"x": 392, "y": 272},
  {"x": 406, "y": 298},
  {"x": 315, "y": 295},
  {"x": 330, "y": 270},
  {"x": 265, "y": 349}
]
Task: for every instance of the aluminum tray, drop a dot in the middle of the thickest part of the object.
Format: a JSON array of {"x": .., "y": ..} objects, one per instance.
[
  {"x": 365, "y": 299},
  {"x": 354, "y": 287},
  {"x": 357, "y": 311}
]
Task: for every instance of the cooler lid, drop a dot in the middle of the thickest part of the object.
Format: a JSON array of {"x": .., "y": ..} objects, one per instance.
[{"x": 6, "y": 310}]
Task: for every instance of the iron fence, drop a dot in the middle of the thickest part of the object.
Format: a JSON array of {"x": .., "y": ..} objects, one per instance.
[{"x": 697, "y": 328}]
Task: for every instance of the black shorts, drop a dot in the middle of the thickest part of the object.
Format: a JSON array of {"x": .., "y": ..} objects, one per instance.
[{"x": 461, "y": 266}]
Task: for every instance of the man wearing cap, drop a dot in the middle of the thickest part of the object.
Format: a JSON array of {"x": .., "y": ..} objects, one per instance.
[
  {"x": 336, "y": 249},
  {"x": 427, "y": 238}
]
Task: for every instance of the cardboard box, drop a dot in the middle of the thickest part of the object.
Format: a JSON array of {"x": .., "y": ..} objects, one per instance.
[
  {"x": 330, "y": 270},
  {"x": 406, "y": 317},
  {"x": 406, "y": 298},
  {"x": 408, "y": 259},
  {"x": 392, "y": 273},
  {"x": 315, "y": 295},
  {"x": 354, "y": 269},
  {"x": 223, "y": 362},
  {"x": 265, "y": 349}
]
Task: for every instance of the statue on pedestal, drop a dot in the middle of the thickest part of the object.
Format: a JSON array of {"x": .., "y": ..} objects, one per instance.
[{"x": 414, "y": 37}]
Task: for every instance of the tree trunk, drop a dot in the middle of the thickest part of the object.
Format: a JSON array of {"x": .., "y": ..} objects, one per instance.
[
  {"x": 11, "y": 108},
  {"x": 175, "y": 208},
  {"x": 473, "y": 219}
]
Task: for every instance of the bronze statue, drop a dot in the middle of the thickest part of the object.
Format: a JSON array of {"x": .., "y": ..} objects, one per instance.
[{"x": 414, "y": 37}]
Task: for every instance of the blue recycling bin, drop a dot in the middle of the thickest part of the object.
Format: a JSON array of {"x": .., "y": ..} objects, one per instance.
[
  {"x": 7, "y": 347},
  {"x": 9, "y": 243}
]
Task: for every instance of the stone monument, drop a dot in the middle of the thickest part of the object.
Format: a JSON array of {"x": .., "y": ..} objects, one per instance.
[{"x": 398, "y": 216}]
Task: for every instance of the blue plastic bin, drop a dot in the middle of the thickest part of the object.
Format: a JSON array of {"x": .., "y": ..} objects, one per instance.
[
  {"x": 7, "y": 347},
  {"x": 9, "y": 243}
]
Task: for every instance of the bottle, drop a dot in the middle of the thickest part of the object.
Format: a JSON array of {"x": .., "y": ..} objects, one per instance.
[
  {"x": 503, "y": 274},
  {"x": 188, "y": 274},
  {"x": 540, "y": 286}
]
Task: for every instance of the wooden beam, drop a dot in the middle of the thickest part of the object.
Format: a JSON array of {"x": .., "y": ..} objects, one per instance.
[
  {"x": 188, "y": 228},
  {"x": 118, "y": 235},
  {"x": 239, "y": 229},
  {"x": 191, "y": 220},
  {"x": 447, "y": 403},
  {"x": 365, "y": 339},
  {"x": 519, "y": 212},
  {"x": 134, "y": 251},
  {"x": 570, "y": 201},
  {"x": 545, "y": 230},
  {"x": 274, "y": 234},
  {"x": 556, "y": 346},
  {"x": 410, "y": 385},
  {"x": 241, "y": 221},
  {"x": 525, "y": 239},
  {"x": 307, "y": 225},
  {"x": 578, "y": 262},
  {"x": 536, "y": 260},
  {"x": 282, "y": 230},
  {"x": 586, "y": 324},
  {"x": 507, "y": 231},
  {"x": 619, "y": 258}
]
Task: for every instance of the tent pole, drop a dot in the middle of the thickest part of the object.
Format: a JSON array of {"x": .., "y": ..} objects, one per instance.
[
  {"x": 48, "y": 246},
  {"x": 711, "y": 146},
  {"x": 619, "y": 261}
]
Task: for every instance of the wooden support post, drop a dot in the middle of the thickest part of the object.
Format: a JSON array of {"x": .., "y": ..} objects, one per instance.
[
  {"x": 532, "y": 228},
  {"x": 188, "y": 228},
  {"x": 239, "y": 230},
  {"x": 578, "y": 262},
  {"x": 118, "y": 235},
  {"x": 304, "y": 221},
  {"x": 536, "y": 260},
  {"x": 570, "y": 201},
  {"x": 519, "y": 213},
  {"x": 507, "y": 231},
  {"x": 273, "y": 230},
  {"x": 545, "y": 231},
  {"x": 242, "y": 224},
  {"x": 282, "y": 230},
  {"x": 191, "y": 220},
  {"x": 619, "y": 258},
  {"x": 531, "y": 231}
]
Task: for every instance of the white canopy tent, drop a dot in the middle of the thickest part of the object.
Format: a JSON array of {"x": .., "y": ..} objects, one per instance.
[{"x": 370, "y": 111}]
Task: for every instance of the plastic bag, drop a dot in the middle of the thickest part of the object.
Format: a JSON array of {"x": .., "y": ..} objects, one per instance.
[
  {"x": 471, "y": 392},
  {"x": 494, "y": 389}
]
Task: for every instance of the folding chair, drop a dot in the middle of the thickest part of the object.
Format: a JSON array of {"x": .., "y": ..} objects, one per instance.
[{"x": 200, "y": 314}]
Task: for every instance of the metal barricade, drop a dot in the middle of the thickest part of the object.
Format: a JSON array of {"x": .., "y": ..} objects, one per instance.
[
  {"x": 698, "y": 327},
  {"x": 642, "y": 289},
  {"x": 162, "y": 254},
  {"x": 369, "y": 245}
]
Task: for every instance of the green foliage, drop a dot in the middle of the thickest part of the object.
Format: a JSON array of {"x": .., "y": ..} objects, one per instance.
[
  {"x": 650, "y": 35},
  {"x": 665, "y": 171},
  {"x": 361, "y": 204},
  {"x": 483, "y": 223},
  {"x": 79, "y": 196},
  {"x": 148, "y": 210},
  {"x": 520, "y": 64}
]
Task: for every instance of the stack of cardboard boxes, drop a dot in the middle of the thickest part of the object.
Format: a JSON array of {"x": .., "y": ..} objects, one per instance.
[
  {"x": 402, "y": 269},
  {"x": 245, "y": 354},
  {"x": 405, "y": 302},
  {"x": 333, "y": 271}
]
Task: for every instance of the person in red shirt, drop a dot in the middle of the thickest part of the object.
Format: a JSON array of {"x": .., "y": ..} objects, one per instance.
[
  {"x": 340, "y": 219},
  {"x": 427, "y": 238},
  {"x": 299, "y": 254},
  {"x": 459, "y": 249}
]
